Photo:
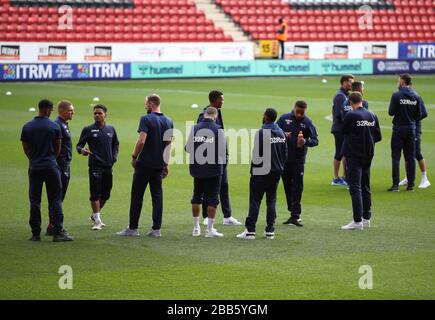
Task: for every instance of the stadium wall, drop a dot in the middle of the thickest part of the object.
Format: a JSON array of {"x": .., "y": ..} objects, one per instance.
[{"x": 33, "y": 62}]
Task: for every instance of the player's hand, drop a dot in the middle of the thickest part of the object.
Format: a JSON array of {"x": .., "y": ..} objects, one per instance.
[
  {"x": 85, "y": 152},
  {"x": 301, "y": 143},
  {"x": 165, "y": 172},
  {"x": 133, "y": 163}
]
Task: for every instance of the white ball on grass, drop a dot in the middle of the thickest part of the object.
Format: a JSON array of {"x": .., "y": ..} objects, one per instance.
[
  {"x": 194, "y": 106},
  {"x": 32, "y": 109},
  {"x": 324, "y": 81},
  {"x": 96, "y": 99},
  {"x": 8, "y": 93}
]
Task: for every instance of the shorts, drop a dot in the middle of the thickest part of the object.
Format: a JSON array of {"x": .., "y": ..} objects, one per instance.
[
  {"x": 208, "y": 187},
  {"x": 100, "y": 183}
]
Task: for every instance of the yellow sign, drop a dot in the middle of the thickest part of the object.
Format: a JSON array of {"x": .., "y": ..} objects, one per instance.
[{"x": 266, "y": 49}]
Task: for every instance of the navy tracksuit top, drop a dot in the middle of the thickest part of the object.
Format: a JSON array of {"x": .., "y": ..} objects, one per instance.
[
  {"x": 278, "y": 148},
  {"x": 288, "y": 123},
  {"x": 206, "y": 136},
  {"x": 361, "y": 131}
]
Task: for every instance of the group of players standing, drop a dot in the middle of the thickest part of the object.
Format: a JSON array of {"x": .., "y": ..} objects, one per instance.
[{"x": 280, "y": 146}]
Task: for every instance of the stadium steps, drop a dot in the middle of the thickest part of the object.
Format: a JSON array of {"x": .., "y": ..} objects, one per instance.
[{"x": 219, "y": 18}]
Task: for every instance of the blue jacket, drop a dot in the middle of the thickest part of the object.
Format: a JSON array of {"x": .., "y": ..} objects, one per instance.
[
  {"x": 337, "y": 106},
  {"x": 41, "y": 135},
  {"x": 65, "y": 155},
  {"x": 405, "y": 107},
  {"x": 207, "y": 148},
  {"x": 103, "y": 143},
  {"x": 269, "y": 158},
  {"x": 361, "y": 131},
  {"x": 288, "y": 123}
]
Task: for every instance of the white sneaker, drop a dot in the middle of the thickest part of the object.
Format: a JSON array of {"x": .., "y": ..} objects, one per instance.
[
  {"x": 154, "y": 233},
  {"x": 127, "y": 232},
  {"x": 246, "y": 235},
  {"x": 205, "y": 222},
  {"x": 102, "y": 223},
  {"x": 366, "y": 223},
  {"x": 231, "y": 221},
  {"x": 213, "y": 233},
  {"x": 424, "y": 184},
  {"x": 196, "y": 232},
  {"x": 353, "y": 226},
  {"x": 404, "y": 182},
  {"x": 269, "y": 235},
  {"x": 97, "y": 226}
]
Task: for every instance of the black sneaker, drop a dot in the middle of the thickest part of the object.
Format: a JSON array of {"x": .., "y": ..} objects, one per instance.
[
  {"x": 61, "y": 237},
  {"x": 35, "y": 238},
  {"x": 50, "y": 231},
  {"x": 287, "y": 221},
  {"x": 410, "y": 189},
  {"x": 295, "y": 222},
  {"x": 394, "y": 188}
]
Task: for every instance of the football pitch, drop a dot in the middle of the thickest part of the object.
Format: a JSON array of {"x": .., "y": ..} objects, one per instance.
[{"x": 318, "y": 261}]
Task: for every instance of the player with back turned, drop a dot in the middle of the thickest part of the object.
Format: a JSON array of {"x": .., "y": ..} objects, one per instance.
[
  {"x": 41, "y": 140},
  {"x": 268, "y": 158},
  {"x": 406, "y": 108},
  {"x": 361, "y": 131}
]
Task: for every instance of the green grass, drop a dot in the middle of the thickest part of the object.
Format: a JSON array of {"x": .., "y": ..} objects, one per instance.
[{"x": 318, "y": 261}]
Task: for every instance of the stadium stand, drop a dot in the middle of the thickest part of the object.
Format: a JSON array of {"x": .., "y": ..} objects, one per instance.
[
  {"x": 182, "y": 21},
  {"x": 334, "y": 20},
  {"x": 108, "y": 21}
]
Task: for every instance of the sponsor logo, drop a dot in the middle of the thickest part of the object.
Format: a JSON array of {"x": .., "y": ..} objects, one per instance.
[
  {"x": 277, "y": 140},
  {"x": 216, "y": 68},
  {"x": 203, "y": 139},
  {"x": 365, "y": 123},
  {"x": 408, "y": 102},
  {"x": 9, "y": 52},
  {"x": 100, "y": 70}
]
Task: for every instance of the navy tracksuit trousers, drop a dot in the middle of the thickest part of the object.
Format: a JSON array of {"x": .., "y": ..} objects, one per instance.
[
  {"x": 403, "y": 138},
  {"x": 141, "y": 177},
  {"x": 358, "y": 179},
  {"x": 293, "y": 180},
  {"x": 258, "y": 186},
  {"x": 51, "y": 177}
]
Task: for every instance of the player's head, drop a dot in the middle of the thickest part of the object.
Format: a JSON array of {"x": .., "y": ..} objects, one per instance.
[
  {"x": 152, "y": 103},
  {"x": 216, "y": 99},
  {"x": 405, "y": 80},
  {"x": 65, "y": 109},
  {"x": 299, "y": 109},
  {"x": 358, "y": 86},
  {"x": 100, "y": 112},
  {"x": 269, "y": 115},
  {"x": 355, "y": 99},
  {"x": 346, "y": 81},
  {"x": 45, "y": 107},
  {"x": 211, "y": 113},
  {"x": 280, "y": 20}
]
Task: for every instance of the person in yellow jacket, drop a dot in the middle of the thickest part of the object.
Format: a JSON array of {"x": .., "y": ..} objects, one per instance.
[{"x": 281, "y": 35}]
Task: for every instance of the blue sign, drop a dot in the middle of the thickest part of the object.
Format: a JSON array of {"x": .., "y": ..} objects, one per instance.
[
  {"x": 396, "y": 66},
  {"x": 417, "y": 50},
  {"x": 65, "y": 71}
]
